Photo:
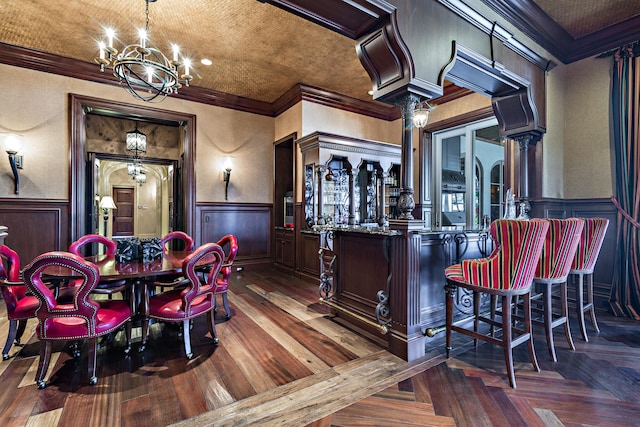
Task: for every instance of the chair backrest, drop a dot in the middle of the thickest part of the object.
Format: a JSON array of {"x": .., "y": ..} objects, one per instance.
[
  {"x": 513, "y": 261},
  {"x": 10, "y": 271},
  {"x": 232, "y": 242},
  {"x": 180, "y": 235},
  {"x": 559, "y": 248},
  {"x": 110, "y": 245},
  {"x": 81, "y": 312},
  {"x": 197, "y": 290},
  {"x": 590, "y": 244}
]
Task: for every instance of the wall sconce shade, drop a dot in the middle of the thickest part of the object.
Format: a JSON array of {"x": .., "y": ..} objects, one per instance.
[
  {"x": 228, "y": 164},
  {"x": 12, "y": 143}
]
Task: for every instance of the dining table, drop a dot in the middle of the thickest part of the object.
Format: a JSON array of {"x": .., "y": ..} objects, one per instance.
[
  {"x": 109, "y": 268},
  {"x": 135, "y": 271}
]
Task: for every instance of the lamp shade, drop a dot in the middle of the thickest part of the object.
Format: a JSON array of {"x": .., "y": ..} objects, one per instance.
[{"x": 107, "y": 203}]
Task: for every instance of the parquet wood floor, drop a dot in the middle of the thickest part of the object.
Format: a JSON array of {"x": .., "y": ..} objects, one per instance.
[{"x": 282, "y": 361}]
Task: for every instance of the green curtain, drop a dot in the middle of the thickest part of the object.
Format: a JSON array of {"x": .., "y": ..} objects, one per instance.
[{"x": 625, "y": 99}]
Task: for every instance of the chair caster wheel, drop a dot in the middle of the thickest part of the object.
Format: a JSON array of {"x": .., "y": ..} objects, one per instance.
[
  {"x": 189, "y": 356},
  {"x": 93, "y": 380},
  {"x": 216, "y": 341},
  {"x": 5, "y": 357},
  {"x": 41, "y": 384}
]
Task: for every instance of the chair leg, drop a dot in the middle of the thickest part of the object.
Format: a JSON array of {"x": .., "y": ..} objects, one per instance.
[
  {"x": 493, "y": 301},
  {"x": 43, "y": 364},
  {"x": 450, "y": 290},
  {"x": 145, "y": 331},
  {"x": 548, "y": 319},
  {"x": 225, "y": 302},
  {"x": 22, "y": 325},
  {"x": 476, "y": 315},
  {"x": 211, "y": 318},
  {"x": 565, "y": 314},
  {"x": 580, "y": 305},
  {"x": 529, "y": 331},
  {"x": 591, "y": 306},
  {"x": 187, "y": 338},
  {"x": 127, "y": 329},
  {"x": 11, "y": 336},
  {"x": 93, "y": 357},
  {"x": 507, "y": 339}
]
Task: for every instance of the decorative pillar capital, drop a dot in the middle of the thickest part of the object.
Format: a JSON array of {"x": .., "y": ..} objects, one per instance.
[{"x": 407, "y": 104}]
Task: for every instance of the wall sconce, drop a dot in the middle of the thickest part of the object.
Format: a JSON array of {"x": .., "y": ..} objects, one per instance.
[
  {"x": 12, "y": 143},
  {"x": 106, "y": 204},
  {"x": 421, "y": 114},
  {"x": 228, "y": 163}
]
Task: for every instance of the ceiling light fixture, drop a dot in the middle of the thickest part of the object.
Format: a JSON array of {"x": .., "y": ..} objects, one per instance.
[
  {"x": 145, "y": 71},
  {"x": 421, "y": 114},
  {"x": 136, "y": 143}
]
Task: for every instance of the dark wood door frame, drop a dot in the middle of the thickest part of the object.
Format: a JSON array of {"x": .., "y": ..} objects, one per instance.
[{"x": 80, "y": 106}]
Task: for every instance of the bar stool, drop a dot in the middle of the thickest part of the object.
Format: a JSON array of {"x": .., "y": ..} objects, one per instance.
[
  {"x": 553, "y": 269},
  {"x": 508, "y": 273},
  {"x": 583, "y": 265}
]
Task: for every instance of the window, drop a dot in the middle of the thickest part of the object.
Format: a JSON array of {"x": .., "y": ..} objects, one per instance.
[{"x": 463, "y": 199}]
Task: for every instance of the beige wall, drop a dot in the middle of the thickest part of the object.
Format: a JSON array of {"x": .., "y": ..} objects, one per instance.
[
  {"x": 576, "y": 154},
  {"x": 36, "y": 105},
  {"x": 587, "y": 156}
]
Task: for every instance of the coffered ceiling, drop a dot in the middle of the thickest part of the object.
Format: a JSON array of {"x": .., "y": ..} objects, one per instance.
[{"x": 259, "y": 50}]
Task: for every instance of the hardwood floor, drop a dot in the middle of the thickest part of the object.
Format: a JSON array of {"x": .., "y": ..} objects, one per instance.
[{"x": 282, "y": 361}]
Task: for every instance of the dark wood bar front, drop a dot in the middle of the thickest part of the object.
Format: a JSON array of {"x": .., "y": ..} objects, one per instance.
[{"x": 389, "y": 283}]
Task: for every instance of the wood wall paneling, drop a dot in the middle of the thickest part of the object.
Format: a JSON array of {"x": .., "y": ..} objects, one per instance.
[
  {"x": 35, "y": 226},
  {"x": 588, "y": 208},
  {"x": 249, "y": 222}
]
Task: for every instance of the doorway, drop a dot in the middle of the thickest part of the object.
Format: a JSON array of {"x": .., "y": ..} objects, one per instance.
[
  {"x": 122, "y": 217},
  {"x": 84, "y": 215}
]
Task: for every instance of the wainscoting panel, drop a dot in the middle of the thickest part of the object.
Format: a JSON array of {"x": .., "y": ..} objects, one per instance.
[
  {"x": 588, "y": 208},
  {"x": 249, "y": 222},
  {"x": 35, "y": 226}
]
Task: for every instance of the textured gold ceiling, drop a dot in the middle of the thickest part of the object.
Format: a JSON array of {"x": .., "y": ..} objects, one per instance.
[
  {"x": 583, "y": 17},
  {"x": 258, "y": 51}
]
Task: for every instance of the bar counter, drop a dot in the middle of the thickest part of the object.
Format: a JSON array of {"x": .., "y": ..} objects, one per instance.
[{"x": 388, "y": 283}]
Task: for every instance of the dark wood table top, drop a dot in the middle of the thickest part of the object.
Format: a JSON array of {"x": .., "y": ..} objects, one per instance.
[{"x": 170, "y": 263}]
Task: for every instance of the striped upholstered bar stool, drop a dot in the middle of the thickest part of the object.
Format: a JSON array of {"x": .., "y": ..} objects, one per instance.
[
  {"x": 583, "y": 265},
  {"x": 553, "y": 269},
  {"x": 507, "y": 273}
]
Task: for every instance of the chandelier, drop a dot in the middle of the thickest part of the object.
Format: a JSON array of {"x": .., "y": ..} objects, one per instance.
[
  {"x": 145, "y": 71},
  {"x": 136, "y": 143}
]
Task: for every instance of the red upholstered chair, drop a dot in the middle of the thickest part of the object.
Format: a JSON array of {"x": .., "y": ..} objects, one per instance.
[
  {"x": 507, "y": 273},
  {"x": 178, "y": 235},
  {"x": 583, "y": 265},
  {"x": 84, "y": 318},
  {"x": 553, "y": 269},
  {"x": 184, "y": 304},
  {"x": 230, "y": 244},
  {"x": 174, "y": 280},
  {"x": 20, "y": 306},
  {"x": 108, "y": 287}
]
